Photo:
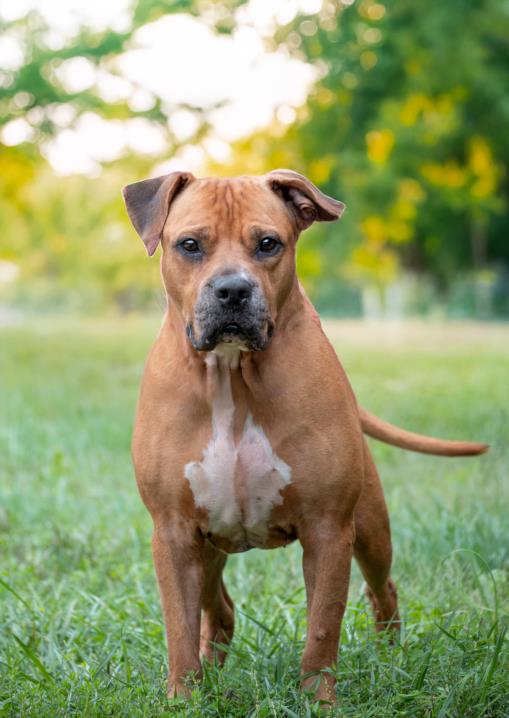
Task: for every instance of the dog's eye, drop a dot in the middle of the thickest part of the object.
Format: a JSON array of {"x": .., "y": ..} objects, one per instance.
[
  {"x": 189, "y": 245},
  {"x": 269, "y": 246}
]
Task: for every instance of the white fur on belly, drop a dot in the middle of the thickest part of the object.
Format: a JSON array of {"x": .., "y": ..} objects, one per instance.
[{"x": 238, "y": 484}]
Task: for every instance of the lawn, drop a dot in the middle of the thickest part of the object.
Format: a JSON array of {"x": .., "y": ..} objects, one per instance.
[{"x": 81, "y": 631}]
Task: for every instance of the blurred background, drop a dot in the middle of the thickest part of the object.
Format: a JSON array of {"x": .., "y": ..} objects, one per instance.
[{"x": 400, "y": 109}]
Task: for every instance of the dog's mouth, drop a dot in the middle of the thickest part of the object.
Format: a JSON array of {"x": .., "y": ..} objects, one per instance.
[
  {"x": 232, "y": 333},
  {"x": 247, "y": 337},
  {"x": 239, "y": 321}
]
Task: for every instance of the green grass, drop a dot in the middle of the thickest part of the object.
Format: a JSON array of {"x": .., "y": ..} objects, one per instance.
[{"x": 81, "y": 630}]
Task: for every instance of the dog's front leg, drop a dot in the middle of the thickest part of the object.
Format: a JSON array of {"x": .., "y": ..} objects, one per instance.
[
  {"x": 178, "y": 560},
  {"x": 327, "y": 559}
]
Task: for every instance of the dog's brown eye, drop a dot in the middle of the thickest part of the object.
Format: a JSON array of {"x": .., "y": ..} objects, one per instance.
[
  {"x": 190, "y": 245},
  {"x": 269, "y": 245}
]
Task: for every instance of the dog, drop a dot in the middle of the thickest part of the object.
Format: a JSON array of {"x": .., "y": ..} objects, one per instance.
[{"x": 247, "y": 432}]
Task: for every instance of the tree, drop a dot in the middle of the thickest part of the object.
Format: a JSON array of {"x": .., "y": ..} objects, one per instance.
[{"x": 36, "y": 92}]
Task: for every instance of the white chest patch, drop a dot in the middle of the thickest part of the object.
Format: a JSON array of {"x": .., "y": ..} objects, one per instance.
[{"x": 237, "y": 482}]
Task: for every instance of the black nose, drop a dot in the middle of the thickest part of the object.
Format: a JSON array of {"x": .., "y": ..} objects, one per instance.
[{"x": 232, "y": 290}]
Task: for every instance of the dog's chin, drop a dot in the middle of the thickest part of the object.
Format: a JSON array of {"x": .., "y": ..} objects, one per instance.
[{"x": 234, "y": 335}]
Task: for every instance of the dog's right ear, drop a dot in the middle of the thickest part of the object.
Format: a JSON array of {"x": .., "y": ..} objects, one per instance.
[{"x": 148, "y": 203}]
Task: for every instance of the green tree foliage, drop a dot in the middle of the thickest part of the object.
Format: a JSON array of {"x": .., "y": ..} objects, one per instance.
[
  {"x": 406, "y": 125},
  {"x": 71, "y": 239},
  {"x": 34, "y": 91}
]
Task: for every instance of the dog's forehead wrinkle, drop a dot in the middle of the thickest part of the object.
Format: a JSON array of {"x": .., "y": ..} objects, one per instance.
[
  {"x": 234, "y": 195},
  {"x": 228, "y": 209},
  {"x": 229, "y": 203}
]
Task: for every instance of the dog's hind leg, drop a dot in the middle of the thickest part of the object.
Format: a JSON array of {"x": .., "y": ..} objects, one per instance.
[
  {"x": 218, "y": 612},
  {"x": 373, "y": 549}
]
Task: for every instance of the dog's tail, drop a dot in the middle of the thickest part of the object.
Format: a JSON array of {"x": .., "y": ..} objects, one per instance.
[{"x": 390, "y": 434}]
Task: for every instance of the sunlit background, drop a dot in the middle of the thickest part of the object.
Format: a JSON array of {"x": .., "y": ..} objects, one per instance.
[{"x": 398, "y": 108}]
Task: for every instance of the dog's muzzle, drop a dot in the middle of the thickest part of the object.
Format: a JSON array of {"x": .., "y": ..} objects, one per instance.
[{"x": 232, "y": 309}]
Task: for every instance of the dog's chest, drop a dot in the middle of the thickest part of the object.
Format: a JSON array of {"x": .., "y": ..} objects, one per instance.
[{"x": 238, "y": 480}]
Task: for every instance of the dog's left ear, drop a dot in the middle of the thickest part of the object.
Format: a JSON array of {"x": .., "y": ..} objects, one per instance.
[
  {"x": 304, "y": 199},
  {"x": 148, "y": 203}
]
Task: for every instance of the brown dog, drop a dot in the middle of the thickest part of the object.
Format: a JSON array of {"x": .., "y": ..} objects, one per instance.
[{"x": 247, "y": 432}]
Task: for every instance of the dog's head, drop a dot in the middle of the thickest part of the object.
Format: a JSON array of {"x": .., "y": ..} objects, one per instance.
[{"x": 228, "y": 260}]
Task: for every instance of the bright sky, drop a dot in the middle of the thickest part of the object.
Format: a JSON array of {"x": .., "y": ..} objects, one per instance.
[{"x": 177, "y": 58}]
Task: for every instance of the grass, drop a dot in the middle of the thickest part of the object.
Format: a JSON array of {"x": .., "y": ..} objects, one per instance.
[{"x": 81, "y": 631}]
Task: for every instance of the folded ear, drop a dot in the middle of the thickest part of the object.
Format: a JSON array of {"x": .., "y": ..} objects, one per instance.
[
  {"x": 304, "y": 199},
  {"x": 148, "y": 203}
]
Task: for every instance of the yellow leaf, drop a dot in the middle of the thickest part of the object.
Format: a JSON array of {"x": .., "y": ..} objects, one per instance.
[{"x": 379, "y": 145}]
